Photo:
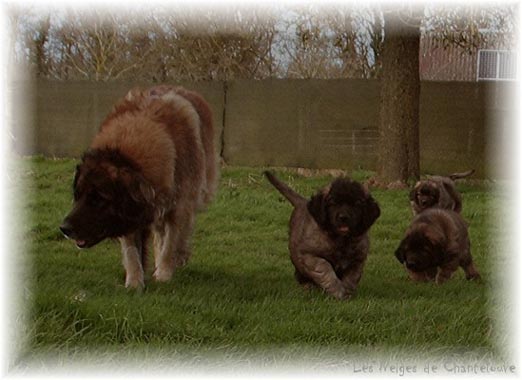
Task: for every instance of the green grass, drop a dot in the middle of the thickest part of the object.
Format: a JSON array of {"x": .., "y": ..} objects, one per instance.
[{"x": 238, "y": 293}]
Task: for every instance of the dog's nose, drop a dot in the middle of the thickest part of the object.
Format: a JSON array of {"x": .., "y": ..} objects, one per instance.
[
  {"x": 66, "y": 229},
  {"x": 342, "y": 218}
]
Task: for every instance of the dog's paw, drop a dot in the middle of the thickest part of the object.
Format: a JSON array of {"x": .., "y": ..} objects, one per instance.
[
  {"x": 439, "y": 280},
  {"x": 475, "y": 278},
  {"x": 347, "y": 297},
  {"x": 162, "y": 274},
  {"x": 343, "y": 295},
  {"x": 308, "y": 286},
  {"x": 136, "y": 283}
]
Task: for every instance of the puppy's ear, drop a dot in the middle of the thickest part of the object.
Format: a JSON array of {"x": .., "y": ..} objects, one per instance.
[
  {"x": 414, "y": 190},
  {"x": 317, "y": 208},
  {"x": 399, "y": 252},
  {"x": 436, "y": 193},
  {"x": 412, "y": 194},
  {"x": 371, "y": 211}
]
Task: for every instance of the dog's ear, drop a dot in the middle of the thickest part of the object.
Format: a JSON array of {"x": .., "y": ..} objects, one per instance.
[
  {"x": 436, "y": 193},
  {"x": 76, "y": 176},
  {"x": 371, "y": 211},
  {"x": 317, "y": 208},
  {"x": 75, "y": 182},
  {"x": 412, "y": 194},
  {"x": 139, "y": 202},
  {"x": 399, "y": 252},
  {"x": 414, "y": 191}
]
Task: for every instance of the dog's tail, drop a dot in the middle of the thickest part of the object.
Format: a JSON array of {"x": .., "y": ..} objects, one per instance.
[
  {"x": 455, "y": 176},
  {"x": 294, "y": 198}
]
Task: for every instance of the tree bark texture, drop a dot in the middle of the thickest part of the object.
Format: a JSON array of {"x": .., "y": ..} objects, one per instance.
[{"x": 399, "y": 106}]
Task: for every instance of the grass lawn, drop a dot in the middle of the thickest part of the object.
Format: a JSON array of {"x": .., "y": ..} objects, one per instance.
[{"x": 238, "y": 294}]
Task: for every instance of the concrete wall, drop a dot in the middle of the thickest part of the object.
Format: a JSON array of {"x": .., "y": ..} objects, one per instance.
[{"x": 304, "y": 123}]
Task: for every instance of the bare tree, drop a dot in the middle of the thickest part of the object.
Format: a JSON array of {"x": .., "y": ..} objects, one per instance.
[
  {"x": 98, "y": 46},
  {"x": 154, "y": 46},
  {"x": 218, "y": 50},
  {"x": 340, "y": 42},
  {"x": 358, "y": 41},
  {"x": 470, "y": 27}
]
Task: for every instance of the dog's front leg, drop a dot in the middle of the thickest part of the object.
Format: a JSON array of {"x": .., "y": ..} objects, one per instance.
[
  {"x": 132, "y": 260},
  {"x": 352, "y": 276},
  {"x": 323, "y": 274},
  {"x": 422, "y": 276},
  {"x": 446, "y": 270}
]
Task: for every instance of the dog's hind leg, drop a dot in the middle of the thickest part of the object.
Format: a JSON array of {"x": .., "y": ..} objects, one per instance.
[
  {"x": 469, "y": 268},
  {"x": 172, "y": 242},
  {"x": 164, "y": 246},
  {"x": 471, "y": 271},
  {"x": 132, "y": 252},
  {"x": 183, "y": 250},
  {"x": 185, "y": 220}
]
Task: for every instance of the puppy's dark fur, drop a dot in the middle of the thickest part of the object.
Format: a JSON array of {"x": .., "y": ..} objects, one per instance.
[
  {"x": 329, "y": 240},
  {"x": 435, "y": 245},
  {"x": 438, "y": 192}
]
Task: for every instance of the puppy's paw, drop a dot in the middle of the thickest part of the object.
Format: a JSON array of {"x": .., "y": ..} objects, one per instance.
[
  {"x": 439, "y": 280},
  {"x": 308, "y": 286},
  {"x": 343, "y": 295},
  {"x": 475, "y": 278}
]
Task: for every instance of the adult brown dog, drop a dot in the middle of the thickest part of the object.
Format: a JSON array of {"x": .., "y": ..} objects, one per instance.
[
  {"x": 149, "y": 168},
  {"x": 439, "y": 192},
  {"x": 329, "y": 240},
  {"x": 435, "y": 245}
]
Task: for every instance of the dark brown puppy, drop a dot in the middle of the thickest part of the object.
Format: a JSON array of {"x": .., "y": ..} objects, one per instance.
[
  {"x": 435, "y": 245},
  {"x": 437, "y": 191},
  {"x": 329, "y": 240},
  {"x": 151, "y": 165}
]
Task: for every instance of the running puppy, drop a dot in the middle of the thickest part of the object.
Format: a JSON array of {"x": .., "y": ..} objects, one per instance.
[
  {"x": 437, "y": 191},
  {"x": 435, "y": 245},
  {"x": 147, "y": 171},
  {"x": 329, "y": 234}
]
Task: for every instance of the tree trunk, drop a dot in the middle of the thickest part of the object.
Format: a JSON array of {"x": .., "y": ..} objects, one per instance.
[{"x": 399, "y": 109}]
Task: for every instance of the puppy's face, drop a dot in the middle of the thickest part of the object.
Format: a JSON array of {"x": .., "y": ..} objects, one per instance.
[
  {"x": 108, "y": 202},
  {"x": 420, "y": 250},
  {"x": 425, "y": 194},
  {"x": 344, "y": 209}
]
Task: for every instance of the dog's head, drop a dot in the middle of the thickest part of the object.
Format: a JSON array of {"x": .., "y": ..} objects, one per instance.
[
  {"x": 111, "y": 199},
  {"x": 425, "y": 194},
  {"x": 421, "y": 249},
  {"x": 345, "y": 208}
]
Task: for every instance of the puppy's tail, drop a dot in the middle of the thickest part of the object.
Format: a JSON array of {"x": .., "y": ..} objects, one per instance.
[
  {"x": 294, "y": 198},
  {"x": 455, "y": 176}
]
